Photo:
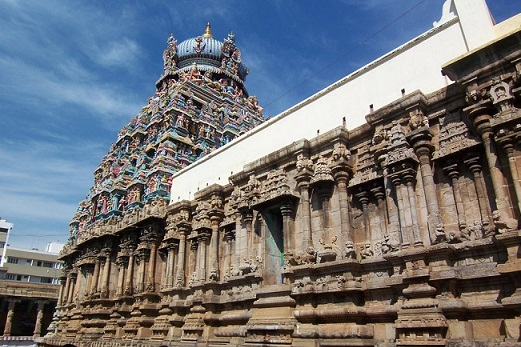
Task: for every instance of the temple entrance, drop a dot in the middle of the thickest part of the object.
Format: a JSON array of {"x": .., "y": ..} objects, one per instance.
[{"x": 274, "y": 247}]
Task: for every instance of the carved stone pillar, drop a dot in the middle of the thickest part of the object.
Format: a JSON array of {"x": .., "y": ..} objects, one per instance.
[
  {"x": 180, "y": 271},
  {"x": 106, "y": 275},
  {"x": 201, "y": 255},
  {"x": 122, "y": 263},
  {"x": 303, "y": 186},
  {"x": 170, "y": 265},
  {"x": 246, "y": 236},
  {"x": 228, "y": 238},
  {"x": 480, "y": 117},
  {"x": 142, "y": 258},
  {"x": 213, "y": 273},
  {"x": 61, "y": 291},
  {"x": 379, "y": 194},
  {"x": 400, "y": 200},
  {"x": 129, "y": 278},
  {"x": 238, "y": 233},
  {"x": 341, "y": 178},
  {"x": 363, "y": 198},
  {"x": 474, "y": 165},
  {"x": 193, "y": 260},
  {"x": 409, "y": 179},
  {"x": 393, "y": 214},
  {"x": 77, "y": 284},
  {"x": 507, "y": 145},
  {"x": 452, "y": 171},
  {"x": 65, "y": 294},
  {"x": 9, "y": 318},
  {"x": 151, "y": 271},
  {"x": 287, "y": 227},
  {"x": 70, "y": 294},
  {"x": 434, "y": 222},
  {"x": 39, "y": 316},
  {"x": 95, "y": 276}
]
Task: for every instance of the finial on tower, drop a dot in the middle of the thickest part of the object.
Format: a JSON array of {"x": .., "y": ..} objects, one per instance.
[{"x": 208, "y": 31}]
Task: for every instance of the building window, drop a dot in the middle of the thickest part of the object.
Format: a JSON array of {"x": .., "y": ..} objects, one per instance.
[
  {"x": 12, "y": 260},
  {"x": 47, "y": 264},
  {"x": 39, "y": 263},
  {"x": 2, "y": 244},
  {"x": 46, "y": 280},
  {"x": 10, "y": 277}
]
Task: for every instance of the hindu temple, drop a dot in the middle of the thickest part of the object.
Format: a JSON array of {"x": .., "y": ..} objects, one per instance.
[{"x": 388, "y": 216}]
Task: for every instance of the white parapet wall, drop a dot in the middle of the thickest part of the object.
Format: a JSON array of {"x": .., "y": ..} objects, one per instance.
[{"x": 416, "y": 65}]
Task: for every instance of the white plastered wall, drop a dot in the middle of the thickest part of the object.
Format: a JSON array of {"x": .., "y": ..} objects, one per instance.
[{"x": 415, "y": 65}]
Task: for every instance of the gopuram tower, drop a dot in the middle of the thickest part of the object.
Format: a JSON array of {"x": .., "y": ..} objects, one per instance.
[{"x": 200, "y": 104}]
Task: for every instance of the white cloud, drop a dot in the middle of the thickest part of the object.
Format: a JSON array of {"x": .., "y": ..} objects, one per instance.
[{"x": 120, "y": 53}]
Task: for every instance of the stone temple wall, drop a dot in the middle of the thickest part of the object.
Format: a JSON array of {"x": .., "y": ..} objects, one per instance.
[{"x": 402, "y": 232}]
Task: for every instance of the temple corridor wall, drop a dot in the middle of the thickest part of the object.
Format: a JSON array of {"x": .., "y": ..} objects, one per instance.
[{"x": 401, "y": 232}]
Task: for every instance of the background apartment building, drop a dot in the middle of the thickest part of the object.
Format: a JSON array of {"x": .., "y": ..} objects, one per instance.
[{"x": 28, "y": 289}]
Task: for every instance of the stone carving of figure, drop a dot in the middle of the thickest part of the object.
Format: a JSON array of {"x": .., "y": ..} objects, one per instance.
[
  {"x": 341, "y": 152},
  {"x": 366, "y": 251},
  {"x": 194, "y": 74},
  {"x": 303, "y": 163},
  {"x": 380, "y": 134},
  {"x": 503, "y": 224},
  {"x": 418, "y": 120},
  {"x": 349, "y": 251},
  {"x": 199, "y": 44}
]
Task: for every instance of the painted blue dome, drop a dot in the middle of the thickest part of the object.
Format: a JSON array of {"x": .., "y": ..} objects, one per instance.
[
  {"x": 207, "y": 49},
  {"x": 207, "y": 54}
]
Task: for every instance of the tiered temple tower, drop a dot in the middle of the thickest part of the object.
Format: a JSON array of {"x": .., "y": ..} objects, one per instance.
[{"x": 200, "y": 104}]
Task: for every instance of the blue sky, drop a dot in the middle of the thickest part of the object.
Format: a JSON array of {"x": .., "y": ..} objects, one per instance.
[{"x": 72, "y": 73}]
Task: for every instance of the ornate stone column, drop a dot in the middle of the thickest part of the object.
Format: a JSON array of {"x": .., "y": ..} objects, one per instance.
[
  {"x": 287, "y": 226},
  {"x": 507, "y": 145},
  {"x": 193, "y": 259},
  {"x": 10, "y": 314},
  {"x": 142, "y": 256},
  {"x": 474, "y": 165},
  {"x": 363, "y": 198},
  {"x": 397, "y": 183},
  {"x": 129, "y": 278},
  {"x": 480, "y": 116},
  {"x": 106, "y": 274},
  {"x": 95, "y": 276},
  {"x": 70, "y": 294},
  {"x": 246, "y": 236},
  {"x": 434, "y": 222},
  {"x": 238, "y": 240},
  {"x": 341, "y": 179},
  {"x": 180, "y": 271},
  {"x": 151, "y": 272},
  {"x": 61, "y": 292},
  {"x": 305, "y": 167},
  {"x": 228, "y": 238},
  {"x": 213, "y": 273},
  {"x": 393, "y": 213},
  {"x": 201, "y": 255},
  {"x": 77, "y": 284},
  {"x": 122, "y": 263},
  {"x": 379, "y": 194},
  {"x": 409, "y": 179},
  {"x": 65, "y": 299},
  {"x": 452, "y": 172},
  {"x": 170, "y": 265},
  {"x": 39, "y": 316}
]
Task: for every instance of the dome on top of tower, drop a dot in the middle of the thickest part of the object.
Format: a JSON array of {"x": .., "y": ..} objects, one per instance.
[
  {"x": 207, "y": 53},
  {"x": 201, "y": 49}
]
